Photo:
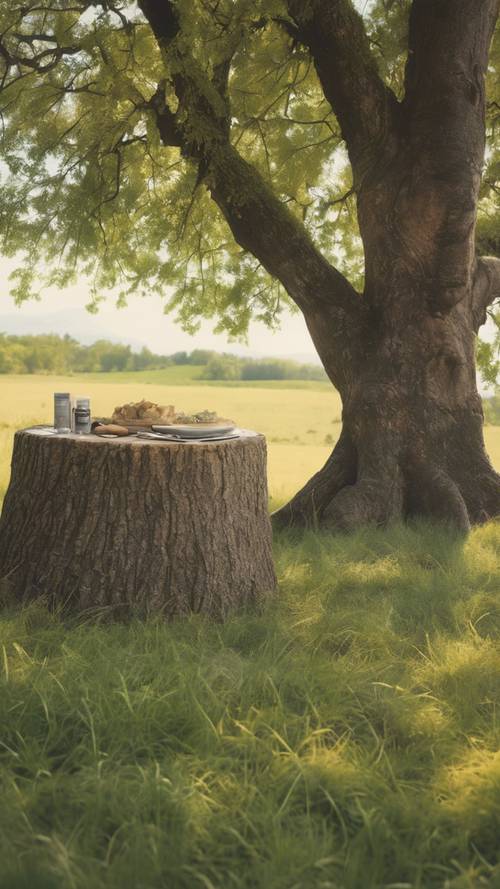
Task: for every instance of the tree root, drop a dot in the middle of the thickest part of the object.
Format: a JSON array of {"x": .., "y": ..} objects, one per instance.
[
  {"x": 308, "y": 505},
  {"x": 344, "y": 495},
  {"x": 479, "y": 486},
  {"x": 432, "y": 493},
  {"x": 371, "y": 501},
  {"x": 347, "y": 493}
]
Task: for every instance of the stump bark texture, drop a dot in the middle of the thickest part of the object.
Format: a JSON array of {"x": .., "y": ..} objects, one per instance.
[{"x": 140, "y": 525}]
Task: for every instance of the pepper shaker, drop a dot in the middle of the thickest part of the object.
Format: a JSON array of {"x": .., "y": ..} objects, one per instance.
[{"x": 82, "y": 415}]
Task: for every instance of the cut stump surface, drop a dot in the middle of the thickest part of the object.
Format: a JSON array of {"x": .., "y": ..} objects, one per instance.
[{"x": 133, "y": 524}]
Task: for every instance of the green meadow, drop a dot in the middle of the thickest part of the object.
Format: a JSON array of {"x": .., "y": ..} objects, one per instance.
[{"x": 346, "y": 736}]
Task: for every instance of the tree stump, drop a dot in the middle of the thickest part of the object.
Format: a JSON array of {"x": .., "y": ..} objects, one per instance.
[{"x": 132, "y": 524}]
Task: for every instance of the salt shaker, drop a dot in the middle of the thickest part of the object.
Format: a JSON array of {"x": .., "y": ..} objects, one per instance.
[{"x": 62, "y": 412}]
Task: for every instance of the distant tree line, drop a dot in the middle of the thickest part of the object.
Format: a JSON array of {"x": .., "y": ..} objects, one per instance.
[
  {"x": 53, "y": 354},
  {"x": 230, "y": 367},
  {"x": 49, "y": 353}
]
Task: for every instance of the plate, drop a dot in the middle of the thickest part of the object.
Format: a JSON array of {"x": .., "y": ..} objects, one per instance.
[{"x": 196, "y": 430}]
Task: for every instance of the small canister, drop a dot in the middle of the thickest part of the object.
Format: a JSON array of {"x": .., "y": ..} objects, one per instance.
[
  {"x": 82, "y": 415},
  {"x": 62, "y": 412}
]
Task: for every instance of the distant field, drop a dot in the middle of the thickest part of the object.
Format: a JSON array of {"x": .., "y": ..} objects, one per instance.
[
  {"x": 301, "y": 425},
  {"x": 184, "y": 375}
]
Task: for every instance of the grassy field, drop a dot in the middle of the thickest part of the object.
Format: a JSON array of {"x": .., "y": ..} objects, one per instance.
[
  {"x": 301, "y": 425},
  {"x": 346, "y": 737},
  {"x": 190, "y": 375}
]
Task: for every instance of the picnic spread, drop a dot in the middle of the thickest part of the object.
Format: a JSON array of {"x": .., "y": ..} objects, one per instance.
[{"x": 144, "y": 419}]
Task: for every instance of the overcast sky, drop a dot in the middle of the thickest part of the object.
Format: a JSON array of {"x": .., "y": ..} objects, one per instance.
[{"x": 141, "y": 323}]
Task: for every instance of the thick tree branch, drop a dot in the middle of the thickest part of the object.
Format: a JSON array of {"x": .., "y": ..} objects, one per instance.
[
  {"x": 265, "y": 227},
  {"x": 486, "y": 288},
  {"x": 444, "y": 121},
  {"x": 365, "y": 107},
  {"x": 170, "y": 132},
  {"x": 448, "y": 50},
  {"x": 259, "y": 221}
]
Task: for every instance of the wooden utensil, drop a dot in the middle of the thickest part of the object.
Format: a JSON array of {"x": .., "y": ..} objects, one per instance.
[{"x": 109, "y": 429}]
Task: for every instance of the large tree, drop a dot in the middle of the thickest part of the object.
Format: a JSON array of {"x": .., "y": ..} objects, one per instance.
[{"x": 239, "y": 154}]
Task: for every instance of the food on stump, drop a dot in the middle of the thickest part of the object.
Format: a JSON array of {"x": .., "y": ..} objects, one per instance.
[
  {"x": 200, "y": 418},
  {"x": 164, "y": 414},
  {"x": 144, "y": 410}
]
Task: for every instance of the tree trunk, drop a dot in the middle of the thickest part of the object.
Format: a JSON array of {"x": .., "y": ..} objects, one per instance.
[
  {"x": 412, "y": 440},
  {"x": 137, "y": 525}
]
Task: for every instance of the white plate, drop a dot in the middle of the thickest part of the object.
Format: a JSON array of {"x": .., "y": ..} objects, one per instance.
[{"x": 196, "y": 430}]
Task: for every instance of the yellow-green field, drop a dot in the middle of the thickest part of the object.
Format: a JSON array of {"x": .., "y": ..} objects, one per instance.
[{"x": 301, "y": 425}]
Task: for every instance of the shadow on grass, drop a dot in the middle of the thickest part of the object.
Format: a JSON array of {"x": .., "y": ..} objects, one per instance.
[{"x": 345, "y": 736}]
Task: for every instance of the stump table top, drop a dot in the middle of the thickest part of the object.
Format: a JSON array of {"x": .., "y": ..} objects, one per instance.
[{"x": 45, "y": 433}]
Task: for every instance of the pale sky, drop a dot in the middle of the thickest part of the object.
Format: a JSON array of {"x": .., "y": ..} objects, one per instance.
[{"x": 142, "y": 322}]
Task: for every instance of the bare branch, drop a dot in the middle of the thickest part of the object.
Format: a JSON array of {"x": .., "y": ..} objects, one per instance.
[
  {"x": 252, "y": 212},
  {"x": 34, "y": 38},
  {"x": 52, "y": 56},
  {"x": 166, "y": 120}
]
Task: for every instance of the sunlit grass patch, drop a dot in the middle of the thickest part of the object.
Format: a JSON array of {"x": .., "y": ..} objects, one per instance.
[
  {"x": 345, "y": 735},
  {"x": 465, "y": 675},
  {"x": 470, "y": 796}
]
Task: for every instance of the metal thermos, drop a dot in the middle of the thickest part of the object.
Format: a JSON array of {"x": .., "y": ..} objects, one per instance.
[
  {"x": 82, "y": 416},
  {"x": 62, "y": 412}
]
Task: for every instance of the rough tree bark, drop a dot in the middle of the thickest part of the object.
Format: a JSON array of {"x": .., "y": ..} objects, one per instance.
[
  {"x": 130, "y": 525},
  {"x": 412, "y": 441},
  {"x": 401, "y": 354}
]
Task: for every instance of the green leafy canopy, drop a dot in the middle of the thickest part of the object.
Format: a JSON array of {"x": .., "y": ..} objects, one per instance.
[{"x": 89, "y": 189}]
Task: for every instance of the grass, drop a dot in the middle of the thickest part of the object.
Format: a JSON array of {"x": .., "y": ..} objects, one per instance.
[
  {"x": 345, "y": 737},
  {"x": 175, "y": 375}
]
